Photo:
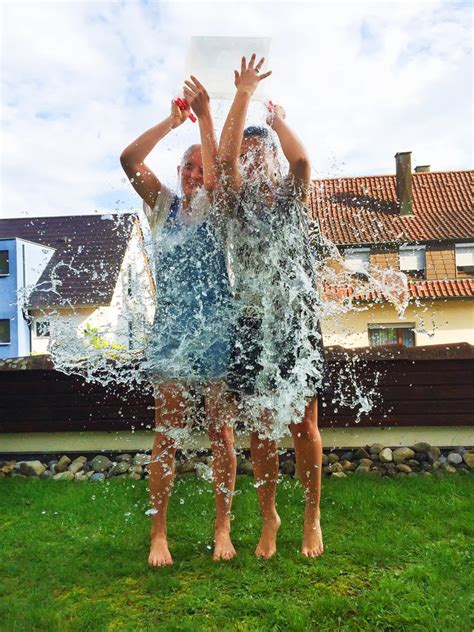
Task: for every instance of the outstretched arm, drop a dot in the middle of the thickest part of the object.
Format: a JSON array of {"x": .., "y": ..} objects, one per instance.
[
  {"x": 294, "y": 150},
  {"x": 246, "y": 83},
  {"x": 143, "y": 180},
  {"x": 197, "y": 97}
]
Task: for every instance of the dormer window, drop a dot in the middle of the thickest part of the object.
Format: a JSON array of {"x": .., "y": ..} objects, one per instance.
[
  {"x": 357, "y": 260},
  {"x": 465, "y": 259},
  {"x": 412, "y": 261}
]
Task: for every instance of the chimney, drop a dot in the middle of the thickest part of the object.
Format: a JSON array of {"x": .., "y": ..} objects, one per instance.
[
  {"x": 404, "y": 193},
  {"x": 422, "y": 169}
]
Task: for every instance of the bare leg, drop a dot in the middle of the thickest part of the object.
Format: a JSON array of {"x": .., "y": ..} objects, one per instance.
[
  {"x": 170, "y": 408},
  {"x": 264, "y": 454},
  {"x": 220, "y": 410},
  {"x": 309, "y": 456}
]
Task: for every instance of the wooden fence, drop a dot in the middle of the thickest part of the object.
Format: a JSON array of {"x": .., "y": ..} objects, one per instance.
[{"x": 422, "y": 386}]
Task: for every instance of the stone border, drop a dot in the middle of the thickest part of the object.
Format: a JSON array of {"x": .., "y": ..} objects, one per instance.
[{"x": 373, "y": 460}]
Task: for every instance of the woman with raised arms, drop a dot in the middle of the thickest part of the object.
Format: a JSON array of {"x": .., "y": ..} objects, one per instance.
[{"x": 190, "y": 342}]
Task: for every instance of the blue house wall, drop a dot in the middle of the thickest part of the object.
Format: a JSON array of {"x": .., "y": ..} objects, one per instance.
[
  {"x": 27, "y": 260},
  {"x": 8, "y": 302}
]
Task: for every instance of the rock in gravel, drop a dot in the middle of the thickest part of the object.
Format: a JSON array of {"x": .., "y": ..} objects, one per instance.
[
  {"x": 347, "y": 465},
  {"x": 361, "y": 453},
  {"x": 366, "y": 462},
  {"x": 288, "y": 467},
  {"x": 414, "y": 464},
  {"x": 187, "y": 467},
  {"x": 375, "y": 448},
  {"x": 63, "y": 476},
  {"x": 362, "y": 469},
  {"x": 31, "y": 468},
  {"x": 333, "y": 458},
  {"x": 336, "y": 467},
  {"x": 402, "y": 454},
  {"x": 81, "y": 476},
  {"x": 101, "y": 463},
  {"x": 421, "y": 447},
  {"x": 433, "y": 453},
  {"x": 134, "y": 476},
  {"x": 136, "y": 469},
  {"x": 402, "y": 467},
  {"x": 448, "y": 468},
  {"x": 61, "y": 465},
  {"x": 386, "y": 455},
  {"x": 421, "y": 457},
  {"x": 325, "y": 460},
  {"x": 124, "y": 458},
  {"x": 245, "y": 467},
  {"x": 338, "y": 475},
  {"x": 8, "y": 467},
  {"x": 46, "y": 475},
  {"x": 118, "y": 469},
  {"x": 347, "y": 456},
  {"x": 469, "y": 459},
  {"x": 98, "y": 476},
  {"x": 141, "y": 459},
  {"x": 78, "y": 464},
  {"x": 454, "y": 458}
]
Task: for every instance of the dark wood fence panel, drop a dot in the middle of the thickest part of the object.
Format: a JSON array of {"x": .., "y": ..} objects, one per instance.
[{"x": 431, "y": 386}]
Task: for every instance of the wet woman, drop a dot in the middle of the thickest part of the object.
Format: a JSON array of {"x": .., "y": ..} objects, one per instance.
[
  {"x": 262, "y": 212},
  {"x": 189, "y": 346}
]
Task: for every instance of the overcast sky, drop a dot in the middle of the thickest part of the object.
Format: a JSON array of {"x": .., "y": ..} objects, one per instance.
[{"x": 359, "y": 81}]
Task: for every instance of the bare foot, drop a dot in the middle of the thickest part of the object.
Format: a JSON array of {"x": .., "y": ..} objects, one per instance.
[
  {"x": 312, "y": 545},
  {"x": 266, "y": 546},
  {"x": 159, "y": 552},
  {"x": 223, "y": 549}
]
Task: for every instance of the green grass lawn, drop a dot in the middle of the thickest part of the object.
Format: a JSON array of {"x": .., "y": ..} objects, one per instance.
[{"x": 73, "y": 557}]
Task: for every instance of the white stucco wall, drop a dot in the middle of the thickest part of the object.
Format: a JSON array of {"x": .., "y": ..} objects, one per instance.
[
  {"x": 111, "y": 321},
  {"x": 436, "y": 322}
]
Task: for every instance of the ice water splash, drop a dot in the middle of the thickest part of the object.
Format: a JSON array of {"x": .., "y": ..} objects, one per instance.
[{"x": 250, "y": 322}]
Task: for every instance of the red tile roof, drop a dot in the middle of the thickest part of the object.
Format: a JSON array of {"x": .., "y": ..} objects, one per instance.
[
  {"x": 460, "y": 288},
  {"x": 364, "y": 210}
]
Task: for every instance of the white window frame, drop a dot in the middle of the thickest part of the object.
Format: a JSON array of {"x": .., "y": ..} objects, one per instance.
[
  {"x": 459, "y": 252},
  {"x": 361, "y": 269},
  {"x": 418, "y": 252}
]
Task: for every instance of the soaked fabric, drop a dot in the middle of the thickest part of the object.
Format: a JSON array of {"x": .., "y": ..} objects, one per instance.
[
  {"x": 277, "y": 347},
  {"x": 190, "y": 338}
]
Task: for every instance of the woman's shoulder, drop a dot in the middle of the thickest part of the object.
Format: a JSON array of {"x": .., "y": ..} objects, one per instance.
[{"x": 158, "y": 214}]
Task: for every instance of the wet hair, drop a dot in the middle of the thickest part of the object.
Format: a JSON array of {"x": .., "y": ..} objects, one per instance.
[
  {"x": 256, "y": 131},
  {"x": 189, "y": 151}
]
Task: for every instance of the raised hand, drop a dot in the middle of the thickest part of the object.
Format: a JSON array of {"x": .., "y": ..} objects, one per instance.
[
  {"x": 275, "y": 113},
  {"x": 197, "y": 97},
  {"x": 179, "y": 115},
  {"x": 248, "y": 78}
]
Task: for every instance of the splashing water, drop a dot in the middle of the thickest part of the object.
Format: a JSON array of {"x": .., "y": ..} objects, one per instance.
[{"x": 240, "y": 291}]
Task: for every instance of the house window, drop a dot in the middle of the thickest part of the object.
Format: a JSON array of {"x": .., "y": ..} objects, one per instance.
[
  {"x": 42, "y": 328},
  {"x": 465, "y": 258},
  {"x": 392, "y": 334},
  {"x": 5, "y": 331},
  {"x": 130, "y": 334},
  {"x": 130, "y": 280},
  {"x": 4, "y": 263},
  {"x": 412, "y": 261},
  {"x": 357, "y": 260}
]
